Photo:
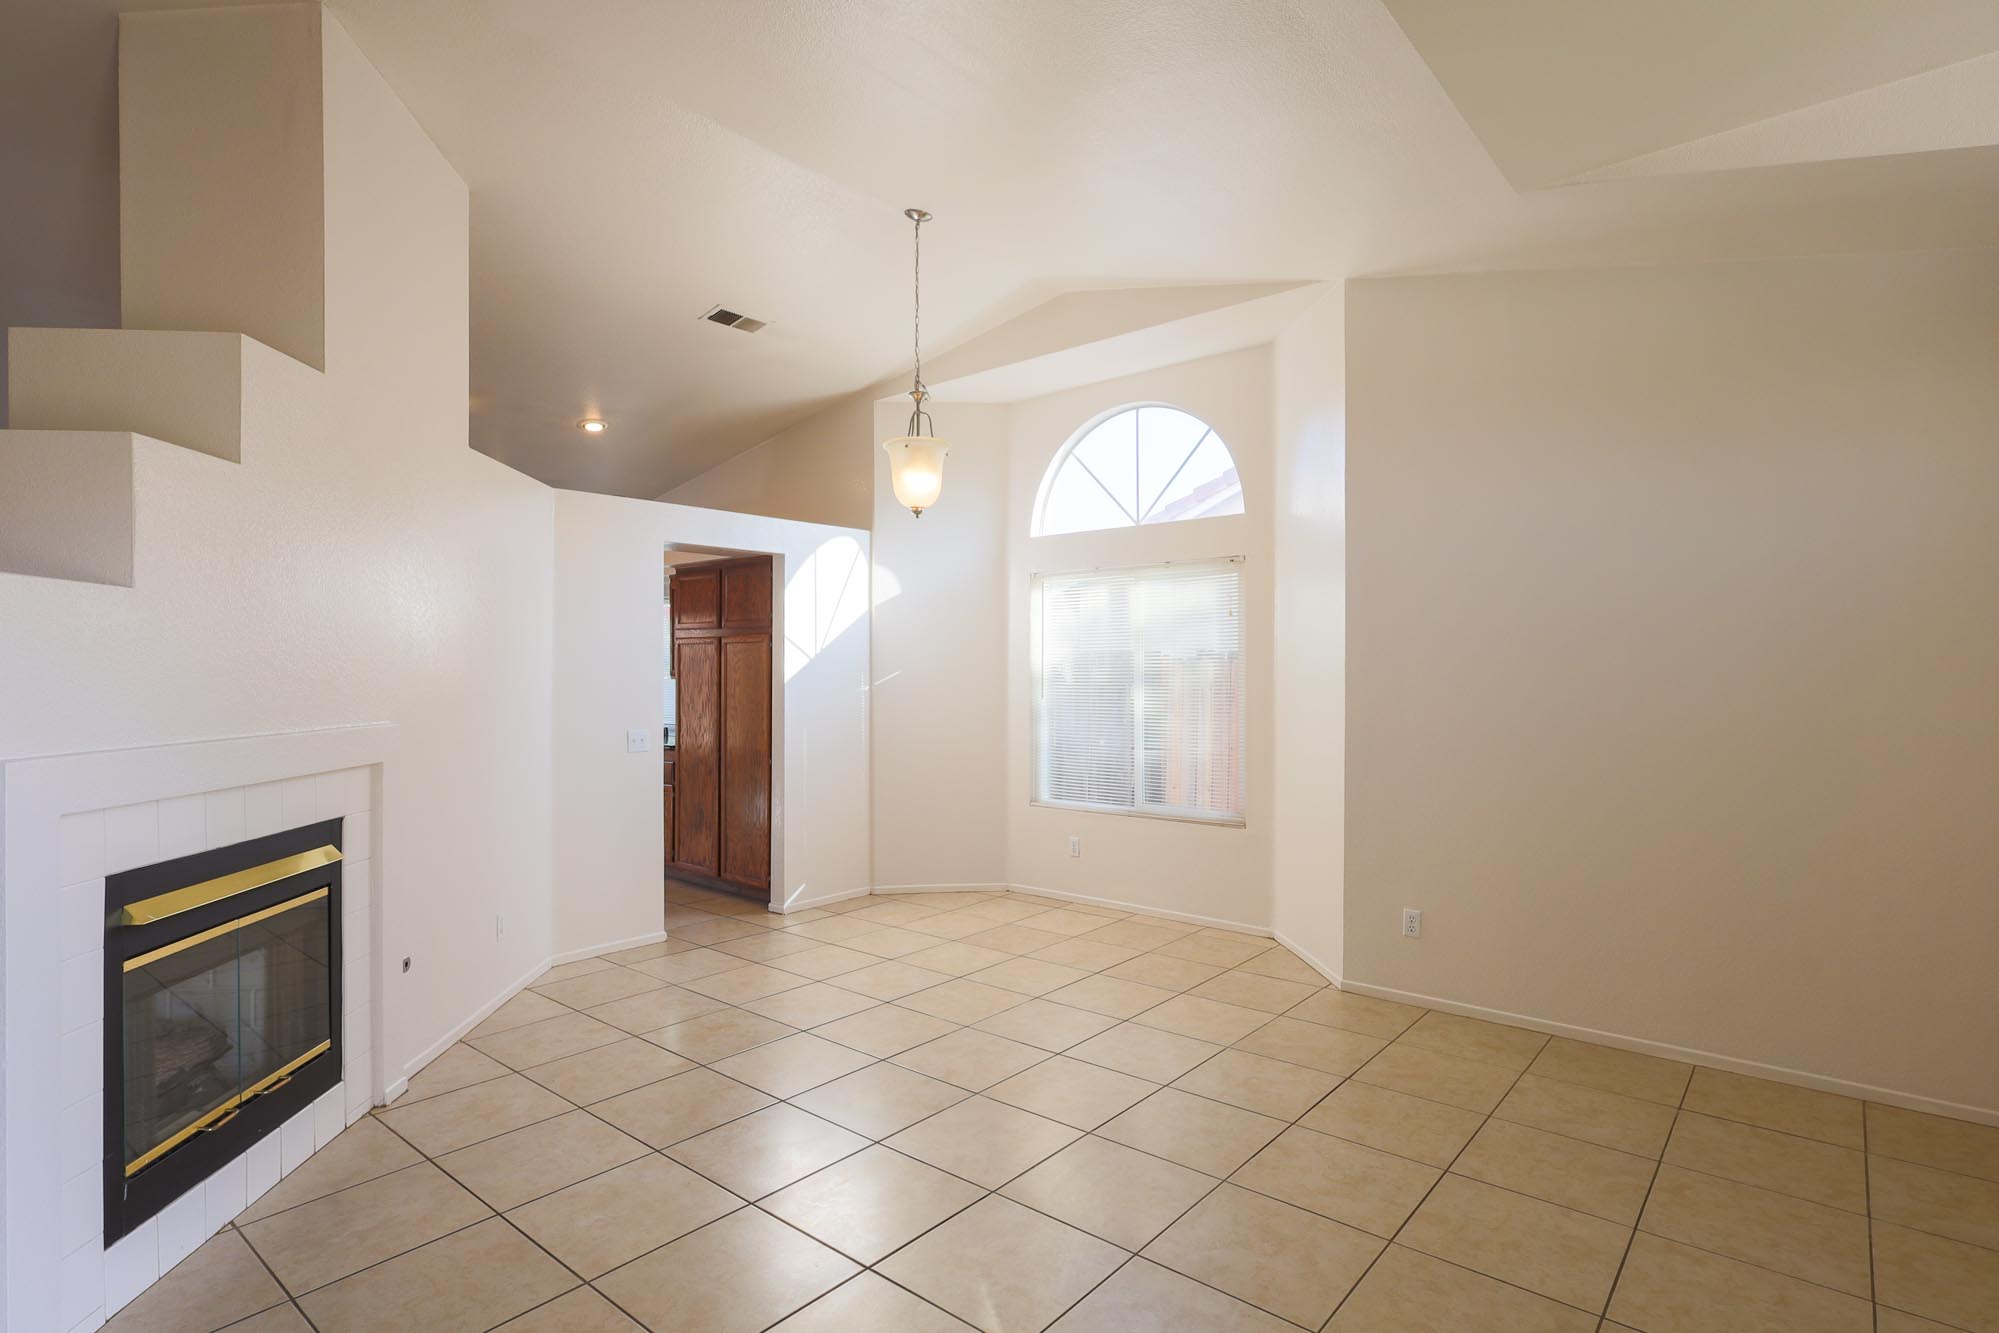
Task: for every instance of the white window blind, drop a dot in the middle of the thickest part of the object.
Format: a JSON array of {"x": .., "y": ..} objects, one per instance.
[{"x": 1138, "y": 696}]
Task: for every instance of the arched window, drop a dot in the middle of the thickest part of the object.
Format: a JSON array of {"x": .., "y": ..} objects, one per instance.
[{"x": 1145, "y": 464}]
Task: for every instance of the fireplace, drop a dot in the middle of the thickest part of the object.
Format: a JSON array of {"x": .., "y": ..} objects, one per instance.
[{"x": 221, "y": 1009}]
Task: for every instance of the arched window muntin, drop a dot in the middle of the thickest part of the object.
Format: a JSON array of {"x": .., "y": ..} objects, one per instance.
[{"x": 1136, "y": 465}]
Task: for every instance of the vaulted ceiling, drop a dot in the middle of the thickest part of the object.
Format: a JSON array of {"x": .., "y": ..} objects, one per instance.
[{"x": 633, "y": 162}]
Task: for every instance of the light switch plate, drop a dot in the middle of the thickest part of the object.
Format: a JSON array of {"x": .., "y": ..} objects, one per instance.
[{"x": 635, "y": 741}]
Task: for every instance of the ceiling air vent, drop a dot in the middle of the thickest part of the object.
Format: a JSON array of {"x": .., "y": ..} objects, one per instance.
[{"x": 724, "y": 315}]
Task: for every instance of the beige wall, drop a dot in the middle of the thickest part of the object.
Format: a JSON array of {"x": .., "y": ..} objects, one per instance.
[
  {"x": 940, "y": 659},
  {"x": 1197, "y": 870},
  {"x": 262, "y": 269},
  {"x": 1673, "y": 649},
  {"x": 1308, "y": 823},
  {"x": 59, "y": 159},
  {"x": 818, "y": 471}
]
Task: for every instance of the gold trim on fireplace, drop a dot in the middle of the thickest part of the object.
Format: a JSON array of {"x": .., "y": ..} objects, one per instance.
[
  {"x": 162, "y": 906},
  {"x": 227, "y": 1110},
  {"x": 166, "y": 950}
]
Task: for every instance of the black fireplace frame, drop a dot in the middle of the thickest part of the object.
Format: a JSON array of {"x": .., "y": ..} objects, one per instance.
[{"x": 131, "y": 1200}]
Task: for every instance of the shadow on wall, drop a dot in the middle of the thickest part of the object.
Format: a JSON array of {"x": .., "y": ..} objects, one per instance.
[{"x": 823, "y": 600}]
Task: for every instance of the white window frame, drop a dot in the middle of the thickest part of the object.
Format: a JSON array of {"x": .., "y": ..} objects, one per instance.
[
  {"x": 1239, "y": 819},
  {"x": 1036, "y": 526}
]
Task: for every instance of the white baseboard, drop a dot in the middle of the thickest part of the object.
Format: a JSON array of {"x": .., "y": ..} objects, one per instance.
[
  {"x": 940, "y": 888},
  {"x": 1242, "y": 927},
  {"x": 415, "y": 1065},
  {"x": 574, "y": 955},
  {"x": 483, "y": 1012},
  {"x": 1690, "y": 1055},
  {"x": 799, "y": 904},
  {"x": 1328, "y": 973}
]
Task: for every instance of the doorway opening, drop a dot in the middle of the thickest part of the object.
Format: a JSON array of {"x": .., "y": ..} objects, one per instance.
[{"x": 716, "y": 769}]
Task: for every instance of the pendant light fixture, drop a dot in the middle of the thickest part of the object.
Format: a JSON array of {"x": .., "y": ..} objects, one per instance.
[{"x": 916, "y": 459}]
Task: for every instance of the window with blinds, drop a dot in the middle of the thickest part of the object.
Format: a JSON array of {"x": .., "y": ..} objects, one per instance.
[{"x": 1138, "y": 690}]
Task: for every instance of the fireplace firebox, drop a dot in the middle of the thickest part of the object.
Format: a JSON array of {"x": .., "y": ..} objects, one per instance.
[{"x": 221, "y": 1009}]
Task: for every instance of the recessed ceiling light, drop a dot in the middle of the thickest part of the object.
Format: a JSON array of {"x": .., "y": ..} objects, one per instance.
[{"x": 593, "y": 425}]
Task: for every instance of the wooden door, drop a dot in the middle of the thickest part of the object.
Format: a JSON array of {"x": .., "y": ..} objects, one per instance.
[
  {"x": 697, "y": 767},
  {"x": 746, "y": 760}
]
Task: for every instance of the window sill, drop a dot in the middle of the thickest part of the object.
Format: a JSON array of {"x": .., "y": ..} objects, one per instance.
[{"x": 1205, "y": 821}]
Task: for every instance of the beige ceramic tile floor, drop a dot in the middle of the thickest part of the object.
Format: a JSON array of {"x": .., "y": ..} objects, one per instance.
[{"x": 934, "y": 1111}]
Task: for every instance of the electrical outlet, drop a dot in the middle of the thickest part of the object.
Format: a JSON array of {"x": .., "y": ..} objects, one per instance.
[
  {"x": 1412, "y": 923},
  {"x": 635, "y": 741},
  {"x": 1075, "y": 846}
]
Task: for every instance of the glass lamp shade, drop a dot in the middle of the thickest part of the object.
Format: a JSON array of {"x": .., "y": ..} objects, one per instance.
[{"x": 916, "y": 469}]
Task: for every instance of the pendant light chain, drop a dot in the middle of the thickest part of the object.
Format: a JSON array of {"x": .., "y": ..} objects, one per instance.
[
  {"x": 919, "y": 420},
  {"x": 917, "y": 343}
]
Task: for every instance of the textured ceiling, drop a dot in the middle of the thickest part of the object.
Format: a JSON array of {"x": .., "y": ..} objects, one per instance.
[{"x": 632, "y": 162}]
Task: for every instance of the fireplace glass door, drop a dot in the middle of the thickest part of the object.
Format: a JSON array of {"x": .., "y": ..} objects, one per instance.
[{"x": 222, "y": 1017}]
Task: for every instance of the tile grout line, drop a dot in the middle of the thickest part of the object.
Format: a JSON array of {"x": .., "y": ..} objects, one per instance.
[
  {"x": 864, "y": 1271},
  {"x": 998, "y": 1192},
  {"x": 1867, "y": 1194},
  {"x": 289, "y": 1299},
  {"x": 502, "y": 1216},
  {"x": 390, "y": 1258},
  {"x": 1638, "y": 1220},
  {"x": 1139, "y": 1253},
  {"x": 1483, "y": 1122},
  {"x": 990, "y": 1192},
  {"x": 1866, "y": 1217}
]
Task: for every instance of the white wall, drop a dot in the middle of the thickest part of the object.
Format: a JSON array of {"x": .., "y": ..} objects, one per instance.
[
  {"x": 1199, "y": 870},
  {"x": 940, "y": 659},
  {"x": 609, "y": 839},
  {"x": 1673, "y": 642},
  {"x": 1308, "y": 843},
  {"x": 461, "y": 545},
  {"x": 609, "y": 836}
]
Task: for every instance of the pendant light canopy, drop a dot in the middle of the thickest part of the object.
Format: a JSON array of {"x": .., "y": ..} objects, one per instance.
[{"x": 916, "y": 459}]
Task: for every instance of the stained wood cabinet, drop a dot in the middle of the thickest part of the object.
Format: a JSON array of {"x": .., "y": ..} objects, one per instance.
[{"x": 722, "y": 673}]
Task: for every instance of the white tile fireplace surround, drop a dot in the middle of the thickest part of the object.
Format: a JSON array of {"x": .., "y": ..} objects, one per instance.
[{"x": 69, "y": 821}]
